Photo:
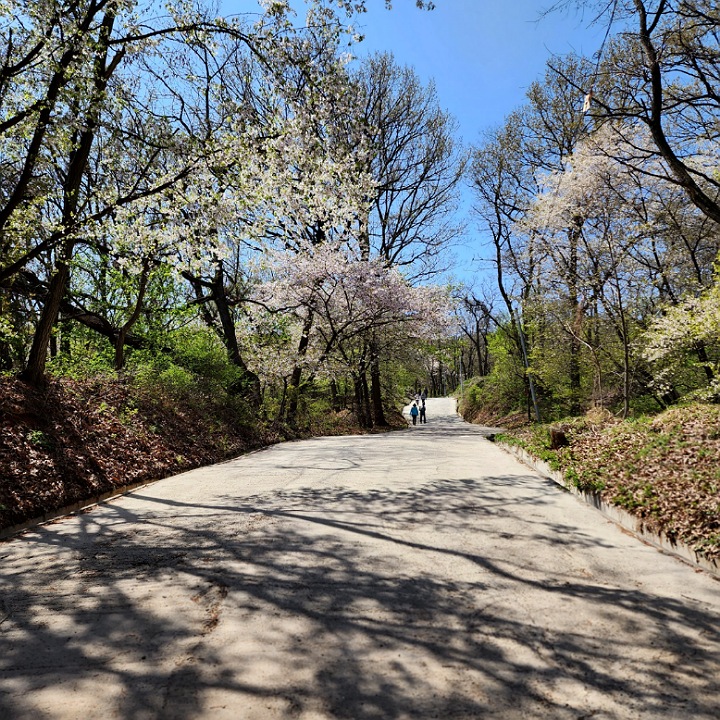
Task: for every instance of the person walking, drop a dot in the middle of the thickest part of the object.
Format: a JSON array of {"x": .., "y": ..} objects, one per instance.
[
  {"x": 423, "y": 416},
  {"x": 414, "y": 412}
]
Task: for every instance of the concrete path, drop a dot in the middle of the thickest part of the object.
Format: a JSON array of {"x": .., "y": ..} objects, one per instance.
[{"x": 418, "y": 574}]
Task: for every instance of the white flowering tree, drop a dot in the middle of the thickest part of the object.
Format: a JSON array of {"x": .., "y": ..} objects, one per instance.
[
  {"x": 92, "y": 124},
  {"x": 671, "y": 347},
  {"x": 659, "y": 71},
  {"x": 595, "y": 195},
  {"x": 293, "y": 174},
  {"x": 586, "y": 243},
  {"x": 144, "y": 147},
  {"x": 63, "y": 108},
  {"x": 508, "y": 173},
  {"x": 417, "y": 164}
]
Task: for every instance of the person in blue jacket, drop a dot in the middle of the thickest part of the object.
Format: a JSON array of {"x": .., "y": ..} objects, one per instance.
[{"x": 414, "y": 413}]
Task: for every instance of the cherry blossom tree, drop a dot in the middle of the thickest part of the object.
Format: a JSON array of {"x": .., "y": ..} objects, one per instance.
[
  {"x": 350, "y": 299},
  {"x": 188, "y": 146}
]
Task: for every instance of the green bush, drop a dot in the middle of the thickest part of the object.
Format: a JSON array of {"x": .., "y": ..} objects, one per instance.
[
  {"x": 84, "y": 360},
  {"x": 199, "y": 350}
]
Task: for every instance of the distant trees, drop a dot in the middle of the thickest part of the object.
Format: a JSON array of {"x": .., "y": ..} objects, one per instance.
[{"x": 416, "y": 166}]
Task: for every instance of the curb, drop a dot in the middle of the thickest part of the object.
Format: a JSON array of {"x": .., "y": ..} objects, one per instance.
[
  {"x": 624, "y": 519},
  {"x": 76, "y": 507}
]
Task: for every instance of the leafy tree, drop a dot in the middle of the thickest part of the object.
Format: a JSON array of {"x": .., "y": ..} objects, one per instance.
[
  {"x": 504, "y": 186},
  {"x": 63, "y": 105},
  {"x": 193, "y": 147},
  {"x": 351, "y": 298},
  {"x": 416, "y": 166}
]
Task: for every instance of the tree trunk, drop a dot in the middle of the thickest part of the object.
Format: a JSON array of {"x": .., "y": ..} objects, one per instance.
[
  {"x": 516, "y": 325},
  {"x": 334, "y": 395},
  {"x": 363, "y": 407},
  {"x": 701, "y": 350},
  {"x": 34, "y": 372},
  {"x": 127, "y": 326},
  {"x": 378, "y": 413},
  {"x": 294, "y": 391},
  {"x": 6, "y": 354},
  {"x": 574, "y": 371},
  {"x": 248, "y": 386}
]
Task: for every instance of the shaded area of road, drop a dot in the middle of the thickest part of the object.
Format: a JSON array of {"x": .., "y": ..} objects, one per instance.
[{"x": 418, "y": 574}]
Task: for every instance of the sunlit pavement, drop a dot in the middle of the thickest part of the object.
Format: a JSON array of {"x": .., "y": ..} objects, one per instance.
[{"x": 417, "y": 574}]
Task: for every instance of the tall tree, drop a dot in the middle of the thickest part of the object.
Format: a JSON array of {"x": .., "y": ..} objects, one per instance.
[
  {"x": 416, "y": 164},
  {"x": 661, "y": 72},
  {"x": 59, "y": 97}
]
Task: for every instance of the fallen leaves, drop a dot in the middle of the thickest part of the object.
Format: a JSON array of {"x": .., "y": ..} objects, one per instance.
[
  {"x": 665, "y": 470},
  {"x": 75, "y": 440}
]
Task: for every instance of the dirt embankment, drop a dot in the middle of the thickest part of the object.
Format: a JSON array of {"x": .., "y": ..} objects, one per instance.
[
  {"x": 663, "y": 469},
  {"x": 78, "y": 440}
]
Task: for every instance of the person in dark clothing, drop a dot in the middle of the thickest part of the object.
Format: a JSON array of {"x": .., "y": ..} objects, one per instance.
[{"x": 423, "y": 416}]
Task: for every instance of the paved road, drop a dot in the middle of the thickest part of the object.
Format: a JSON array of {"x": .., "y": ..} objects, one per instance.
[{"x": 419, "y": 574}]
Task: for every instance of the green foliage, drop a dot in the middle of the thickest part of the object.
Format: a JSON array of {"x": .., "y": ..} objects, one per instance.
[
  {"x": 198, "y": 350},
  {"x": 40, "y": 439},
  {"x": 473, "y": 398},
  {"x": 503, "y": 390},
  {"x": 186, "y": 364},
  {"x": 398, "y": 378},
  {"x": 315, "y": 403},
  {"x": 172, "y": 380},
  {"x": 535, "y": 440},
  {"x": 87, "y": 355},
  {"x": 683, "y": 346},
  {"x": 568, "y": 378},
  {"x": 506, "y": 383},
  {"x": 644, "y": 405}
]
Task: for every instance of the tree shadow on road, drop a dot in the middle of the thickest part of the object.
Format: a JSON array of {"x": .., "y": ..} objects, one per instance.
[{"x": 368, "y": 613}]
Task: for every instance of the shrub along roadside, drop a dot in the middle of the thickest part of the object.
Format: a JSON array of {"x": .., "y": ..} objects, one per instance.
[{"x": 663, "y": 469}]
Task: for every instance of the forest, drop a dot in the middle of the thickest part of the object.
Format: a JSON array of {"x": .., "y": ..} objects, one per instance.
[
  {"x": 220, "y": 200},
  {"x": 600, "y": 197},
  {"x": 234, "y": 220}
]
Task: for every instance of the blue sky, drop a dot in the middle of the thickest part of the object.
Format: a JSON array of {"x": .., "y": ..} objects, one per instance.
[{"x": 482, "y": 55}]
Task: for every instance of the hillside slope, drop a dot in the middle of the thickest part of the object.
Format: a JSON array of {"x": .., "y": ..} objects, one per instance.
[
  {"x": 664, "y": 469},
  {"x": 79, "y": 440}
]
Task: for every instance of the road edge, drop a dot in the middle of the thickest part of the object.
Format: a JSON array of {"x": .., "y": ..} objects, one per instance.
[{"x": 624, "y": 519}]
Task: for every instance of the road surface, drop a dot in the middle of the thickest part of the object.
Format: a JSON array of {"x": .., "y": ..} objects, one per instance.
[{"x": 416, "y": 574}]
